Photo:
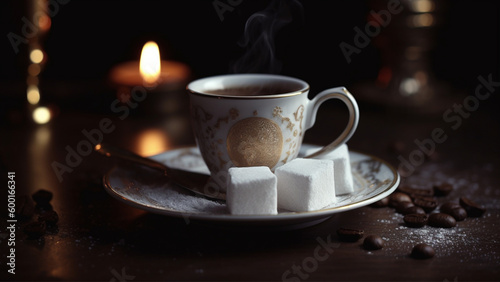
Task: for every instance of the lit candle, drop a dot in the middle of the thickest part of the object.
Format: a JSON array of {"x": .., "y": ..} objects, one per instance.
[
  {"x": 150, "y": 70},
  {"x": 150, "y": 63}
]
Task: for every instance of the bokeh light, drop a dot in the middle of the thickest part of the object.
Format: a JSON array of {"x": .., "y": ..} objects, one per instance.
[
  {"x": 36, "y": 56},
  {"x": 33, "y": 94},
  {"x": 41, "y": 115}
]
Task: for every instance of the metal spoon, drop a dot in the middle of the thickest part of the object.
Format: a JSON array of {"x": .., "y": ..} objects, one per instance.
[{"x": 193, "y": 181}]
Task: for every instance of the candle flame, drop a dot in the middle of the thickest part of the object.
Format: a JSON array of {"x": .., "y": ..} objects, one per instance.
[{"x": 150, "y": 63}]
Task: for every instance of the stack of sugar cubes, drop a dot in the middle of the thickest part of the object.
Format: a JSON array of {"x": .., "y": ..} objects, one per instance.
[{"x": 299, "y": 185}]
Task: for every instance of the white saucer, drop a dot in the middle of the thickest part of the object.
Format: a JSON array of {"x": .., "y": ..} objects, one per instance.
[{"x": 374, "y": 179}]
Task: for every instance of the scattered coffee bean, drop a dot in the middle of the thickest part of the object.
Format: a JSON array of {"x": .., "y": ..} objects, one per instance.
[
  {"x": 442, "y": 189},
  {"x": 414, "y": 192},
  {"x": 459, "y": 214},
  {"x": 403, "y": 206},
  {"x": 381, "y": 203},
  {"x": 42, "y": 197},
  {"x": 398, "y": 197},
  {"x": 413, "y": 209},
  {"x": 34, "y": 229},
  {"x": 441, "y": 220},
  {"x": 415, "y": 220},
  {"x": 49, "y": 217},
  {"x": 350, "y": 235},
  {"x": 473, "y": 209},
  {"x": 373, "y": 242},
  {"x": 448, "y": 206},
  {"x": 454, "y": 210},
  {"x": 427, "y": 203},
  {"x": 422, "y": 251}
]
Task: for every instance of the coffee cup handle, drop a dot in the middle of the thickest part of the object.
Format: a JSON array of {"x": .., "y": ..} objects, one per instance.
[{"x": 340, "y": 93}]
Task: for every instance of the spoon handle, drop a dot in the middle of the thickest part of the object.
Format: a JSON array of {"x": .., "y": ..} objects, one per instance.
[
  {"x": 112, "y": 151},
  {"x": 196, "y": 182}
]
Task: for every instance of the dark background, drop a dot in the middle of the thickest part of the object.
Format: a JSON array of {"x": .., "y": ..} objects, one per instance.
[
  {"x": 98, "y": 234},
  {"x": 87, "y": 38}
]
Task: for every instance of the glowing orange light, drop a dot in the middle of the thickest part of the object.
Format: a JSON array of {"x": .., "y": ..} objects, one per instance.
[
  {"x": 422, "y": 6},
  {"x": 152, "y": 141},
  {"x": 150, "y": 63},
  {"x": 33, "y": 94},
  {"x": 421, "y": 20},
  {"x": 34, "y": 69},
  {"x": 44, "y": 22}
]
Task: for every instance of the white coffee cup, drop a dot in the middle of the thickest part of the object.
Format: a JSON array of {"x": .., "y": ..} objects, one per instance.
[{"x": 257, "y": 120}]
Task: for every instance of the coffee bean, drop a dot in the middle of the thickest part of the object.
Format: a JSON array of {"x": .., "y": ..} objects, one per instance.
[
  {"x": 454, "y": 210},
  {"x": 381, "y": 203},
  {"x": 399, "y": 197},
  {"x": 422, "y": 251},
  {"x": 49, "y": 217},
  {"x": 373, "y": 242},
  {"x": 34, "y": 229},
  {"x": 403, "y": 206},
  {"x": 350, "y": 235},
  {"x": 416, "y": 192},
  {"x": 441, "y": 220},
  {"x": 427, "y": 203},
  {"x": 42, "y": 197},
  {"x": 415, "y": 220},
  {"x": 473, "y": 209},
  {"x": 459, "y": 214},
  {"x": 413, "y": 209},
  {"x": 448, "y": 206},
  {"x": 442, "y": 189}
]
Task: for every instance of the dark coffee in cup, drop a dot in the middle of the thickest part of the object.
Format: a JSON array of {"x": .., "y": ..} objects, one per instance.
[{"x": 260, "y": 90}]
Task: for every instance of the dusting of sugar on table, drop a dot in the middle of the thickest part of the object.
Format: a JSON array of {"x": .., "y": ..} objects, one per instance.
[{"x": 467, "y": 239}]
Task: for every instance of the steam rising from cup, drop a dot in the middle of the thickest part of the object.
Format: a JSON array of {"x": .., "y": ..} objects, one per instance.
[{"x": 259, "y": 37}]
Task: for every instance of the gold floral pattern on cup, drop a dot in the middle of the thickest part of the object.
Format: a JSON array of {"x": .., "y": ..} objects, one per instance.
[{"x": 298, "y": 116}]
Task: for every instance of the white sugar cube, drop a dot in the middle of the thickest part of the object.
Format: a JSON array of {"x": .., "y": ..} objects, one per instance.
[
  {"x": 306, "y": 184},
  {"x": 342, "y": 167},
  {"x": 251, "y": 190}
]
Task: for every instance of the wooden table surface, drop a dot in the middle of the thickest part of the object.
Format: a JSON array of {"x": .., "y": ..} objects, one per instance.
[{"x": 100, "y": 238}]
